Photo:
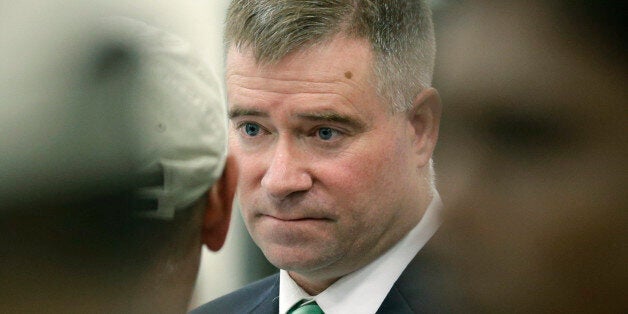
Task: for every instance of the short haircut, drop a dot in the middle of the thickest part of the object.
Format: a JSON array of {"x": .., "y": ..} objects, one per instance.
[{"x": 400, "y": 32}]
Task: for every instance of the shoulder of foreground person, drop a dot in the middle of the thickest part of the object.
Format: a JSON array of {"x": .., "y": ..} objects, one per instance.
[{"x": 251, "y": 298}]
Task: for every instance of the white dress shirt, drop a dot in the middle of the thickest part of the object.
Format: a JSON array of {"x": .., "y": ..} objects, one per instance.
[{"x": 364, "y": 290}]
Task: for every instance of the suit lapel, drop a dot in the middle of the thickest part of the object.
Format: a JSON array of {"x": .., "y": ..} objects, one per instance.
[
  {"x": 419, "y": 288},
  {"x": 268, "y": 301},
  {"x": 394, "y": 303}
]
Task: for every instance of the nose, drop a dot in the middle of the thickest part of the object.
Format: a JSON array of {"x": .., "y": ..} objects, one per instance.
[{"x": 287, "y": 172}]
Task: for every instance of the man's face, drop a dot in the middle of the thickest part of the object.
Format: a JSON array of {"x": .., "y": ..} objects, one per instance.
[{"x": 329, "y": 178}]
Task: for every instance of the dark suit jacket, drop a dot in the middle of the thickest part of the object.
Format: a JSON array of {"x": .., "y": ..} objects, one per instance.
[{"x": 418, "y": 290}]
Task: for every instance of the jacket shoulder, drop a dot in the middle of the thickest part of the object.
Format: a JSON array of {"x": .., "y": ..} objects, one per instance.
[{"x": 243, "y": 300}]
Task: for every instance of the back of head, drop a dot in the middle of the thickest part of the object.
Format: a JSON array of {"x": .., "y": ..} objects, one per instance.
[
  {"x": 112, "y": 221},
  {"x": 400, "y": 33}
]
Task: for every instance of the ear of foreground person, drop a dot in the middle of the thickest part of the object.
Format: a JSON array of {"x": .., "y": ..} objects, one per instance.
[{"x": 118, "y": 151}]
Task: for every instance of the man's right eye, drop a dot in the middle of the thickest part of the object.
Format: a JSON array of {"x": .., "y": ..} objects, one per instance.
[{"x": 250, "y": 129}]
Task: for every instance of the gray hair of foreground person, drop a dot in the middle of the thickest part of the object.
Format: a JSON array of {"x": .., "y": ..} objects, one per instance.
[
  {"x": 135, "y": 247},
  {"x": 400, "y": 32}
]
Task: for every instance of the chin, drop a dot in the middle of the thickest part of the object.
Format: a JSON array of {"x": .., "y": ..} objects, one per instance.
[{"x": 299, "y": 260}]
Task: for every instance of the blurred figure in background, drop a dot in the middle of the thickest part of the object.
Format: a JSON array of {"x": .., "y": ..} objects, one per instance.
[
  {"x": 533, "y": 156},
  {"x": 114, "y": 167}
]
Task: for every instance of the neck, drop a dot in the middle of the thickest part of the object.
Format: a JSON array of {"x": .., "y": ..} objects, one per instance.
[{"x": 312, "y": 287}]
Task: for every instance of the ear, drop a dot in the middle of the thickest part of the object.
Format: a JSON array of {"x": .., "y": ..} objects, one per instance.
[
  {"x": 424, "y": 117},
  {"x": 218, "y": 209}
]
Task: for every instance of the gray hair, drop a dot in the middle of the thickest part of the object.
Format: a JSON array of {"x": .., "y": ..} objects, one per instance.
[{"x": 400, "y": 32}]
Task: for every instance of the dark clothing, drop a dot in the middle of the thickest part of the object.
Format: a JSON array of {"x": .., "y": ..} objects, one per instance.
[{"x": 418, "y": 290}]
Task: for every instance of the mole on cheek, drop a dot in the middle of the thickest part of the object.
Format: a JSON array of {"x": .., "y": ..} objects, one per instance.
[{"x": 348, "y": 74}]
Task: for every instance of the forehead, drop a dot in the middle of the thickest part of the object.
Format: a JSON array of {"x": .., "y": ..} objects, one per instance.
[
  {"x": 334, "y": 75},
  {"x": 337, "y": 58}
]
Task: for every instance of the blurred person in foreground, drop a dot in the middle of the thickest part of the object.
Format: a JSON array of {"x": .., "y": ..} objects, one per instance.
[
  {"x": 534, "y": 156},
  {"x": 134, "y": 177},
  {"x": 334, "y": 122}
]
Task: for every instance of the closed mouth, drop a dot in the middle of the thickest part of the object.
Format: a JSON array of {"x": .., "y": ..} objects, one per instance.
[{"x": 295, "y": 219}]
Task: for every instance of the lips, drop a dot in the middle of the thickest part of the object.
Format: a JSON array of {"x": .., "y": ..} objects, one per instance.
[
  {"x": 294, "y": 218},
  {"x": 293, "y": 213}
]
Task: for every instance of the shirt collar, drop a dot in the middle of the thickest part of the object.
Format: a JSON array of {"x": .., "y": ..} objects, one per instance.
[
  {"x": 364, "y": 290},
  {"x": 289, "y": 292}
]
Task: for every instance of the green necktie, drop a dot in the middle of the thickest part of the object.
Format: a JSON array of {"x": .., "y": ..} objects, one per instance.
[{"x": 306, "y": 307}]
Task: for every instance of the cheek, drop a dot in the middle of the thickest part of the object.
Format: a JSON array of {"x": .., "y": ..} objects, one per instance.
[
  {"x": 249, "y": 174},
  {"x": 247, "y": 162},
  {"x": 364, "y": 174}
]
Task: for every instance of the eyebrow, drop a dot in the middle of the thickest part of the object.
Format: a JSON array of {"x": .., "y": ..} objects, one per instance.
[
  {"x": 327, "y": 116},
  {"x": 333, "y": 117},
  {"x": 239, "y": 112}
]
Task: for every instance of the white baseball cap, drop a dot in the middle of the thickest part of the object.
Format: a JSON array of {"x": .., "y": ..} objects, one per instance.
[
  {"x": 91, "y": 107},
  {"x": 179, "y": 117}
]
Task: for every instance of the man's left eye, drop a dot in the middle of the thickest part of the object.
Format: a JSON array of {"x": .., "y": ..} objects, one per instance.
[{"x": 326, "y": 133}]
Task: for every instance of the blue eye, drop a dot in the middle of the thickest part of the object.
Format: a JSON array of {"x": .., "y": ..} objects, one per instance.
[
  {"x": 326, "y": 133},
  {"x": 252, "y": 129}
]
